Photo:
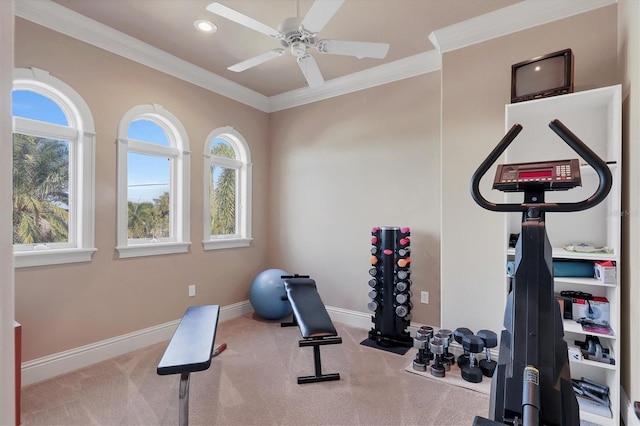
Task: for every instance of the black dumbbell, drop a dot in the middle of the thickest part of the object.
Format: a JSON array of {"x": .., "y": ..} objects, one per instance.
[
  {"x": 437, "y": 347},
  {"x": 448, "y": 359},
  {"x": 490, "y": 340},
  {"x": 458, "y": 334},
  {"x": 421, "y": 342},
  {"x": 474, "y": 345}
]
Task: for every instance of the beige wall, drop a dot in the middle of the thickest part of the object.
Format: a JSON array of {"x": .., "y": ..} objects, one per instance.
[
  {"x": 344, "y": 165},
  {"x": 324, "y": 174},
  {"x": 629, "y": 65},
  {"x": 67, "y": 306},
  {"x": 476, "y": 87}
]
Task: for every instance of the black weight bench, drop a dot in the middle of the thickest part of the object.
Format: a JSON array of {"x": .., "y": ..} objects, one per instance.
[
  {"x": 190, "y": 350},
  {"x": 314, "y": 322}
]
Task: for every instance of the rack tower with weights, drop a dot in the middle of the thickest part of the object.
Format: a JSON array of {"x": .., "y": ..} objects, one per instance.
[
  {"x": 390, "y": 284},
  {"x": 532, "y": 383}
]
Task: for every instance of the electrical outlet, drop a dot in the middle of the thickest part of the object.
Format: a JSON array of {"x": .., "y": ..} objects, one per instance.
[
  {"x": 424, "y": 297},
  {"x": 192, "y": 290}
]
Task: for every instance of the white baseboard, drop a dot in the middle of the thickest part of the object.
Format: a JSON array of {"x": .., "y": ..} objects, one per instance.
[
  {"x": 627, "y": 411},
  {"x": 53, "y": 365},
  {"x": 50, "y": 366}
]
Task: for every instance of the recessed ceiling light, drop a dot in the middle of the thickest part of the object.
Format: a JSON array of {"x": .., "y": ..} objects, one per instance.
[{"x": 205, "y": 26}]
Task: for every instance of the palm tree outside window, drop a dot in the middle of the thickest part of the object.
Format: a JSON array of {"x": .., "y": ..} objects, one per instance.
[
  {"x": 227, "y": 185},
  {"x": 53, "y": 148},
  {"x": 153, "y": 183}
]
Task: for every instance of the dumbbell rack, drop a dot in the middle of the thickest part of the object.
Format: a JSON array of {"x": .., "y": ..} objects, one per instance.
[{"x": 390, "y": 284}]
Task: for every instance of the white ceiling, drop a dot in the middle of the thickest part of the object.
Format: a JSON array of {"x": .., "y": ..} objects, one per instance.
[{"x": 168, "y": 25}]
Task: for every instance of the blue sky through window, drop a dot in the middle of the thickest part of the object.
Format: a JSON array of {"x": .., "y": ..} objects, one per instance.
[
  {"x": 32, "y": 105},
  {"x": 147, "y": 131},
  {"x": 148, "y": 176}
]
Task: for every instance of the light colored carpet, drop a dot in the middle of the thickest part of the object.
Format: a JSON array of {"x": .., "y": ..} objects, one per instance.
[{"x": 253, "y": 382}]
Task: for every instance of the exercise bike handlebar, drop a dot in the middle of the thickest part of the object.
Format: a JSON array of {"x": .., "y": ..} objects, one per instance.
[{"x": 604, "y": 174}]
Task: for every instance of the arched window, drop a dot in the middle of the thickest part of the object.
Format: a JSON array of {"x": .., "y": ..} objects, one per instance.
[
  {"x": 153, "y": 183},
  {"x": 227, "y": 190},
  {"x": 53, "y": 171}
]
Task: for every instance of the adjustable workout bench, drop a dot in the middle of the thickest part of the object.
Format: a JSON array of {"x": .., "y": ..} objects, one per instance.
[
  {"x": 189, "y": 350},
  {"x": 315, "y": 324}
]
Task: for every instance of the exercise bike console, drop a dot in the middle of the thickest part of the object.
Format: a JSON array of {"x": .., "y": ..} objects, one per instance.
[
  {"x": 545, "y": 175},
  {"x": 532, "y": 383}
]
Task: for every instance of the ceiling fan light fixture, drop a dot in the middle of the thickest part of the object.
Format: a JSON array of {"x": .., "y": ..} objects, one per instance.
[
  {"x": 298, "y": 49},
  {"x": 205, "y": 26}
]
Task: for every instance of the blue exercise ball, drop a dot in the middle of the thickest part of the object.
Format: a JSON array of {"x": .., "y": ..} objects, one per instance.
[{"x": 267, "y": 291}]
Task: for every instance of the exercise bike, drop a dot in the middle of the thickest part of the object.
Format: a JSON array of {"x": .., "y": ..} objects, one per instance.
[{"x": 532, "y": 383}]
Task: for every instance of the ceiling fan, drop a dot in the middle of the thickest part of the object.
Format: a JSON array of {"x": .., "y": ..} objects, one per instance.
[{"x": 297, "y": 35}]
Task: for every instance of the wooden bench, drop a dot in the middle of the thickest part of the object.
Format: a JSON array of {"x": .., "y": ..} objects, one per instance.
[
  {"x": 311, "y": 316},
  {"x": 190, "y": 350}
]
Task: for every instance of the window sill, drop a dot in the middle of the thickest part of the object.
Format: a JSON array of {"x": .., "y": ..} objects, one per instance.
[
  {"x": 226, "y": 243},
  {"x": 153, "y": 249},
  {"x": 26, "y": 259}
]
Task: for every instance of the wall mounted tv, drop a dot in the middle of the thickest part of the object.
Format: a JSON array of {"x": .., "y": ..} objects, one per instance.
[{"x": 543, "y": 76}]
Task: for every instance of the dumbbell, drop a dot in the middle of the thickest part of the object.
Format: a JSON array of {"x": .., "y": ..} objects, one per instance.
[
  {"x": 424, "y": 355},
  {"x": 458, "y": 334},
  {"x": 474, "y": 345},
  {"x": 428, "y": 331},
  {"x": 437, "y": 347},
  {"x": 448, "y": 359},
  {"x": 490, "y": 340}
]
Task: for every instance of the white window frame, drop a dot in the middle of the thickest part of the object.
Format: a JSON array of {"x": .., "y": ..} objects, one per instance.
[
  {"x": 80, "y": 133},
  {"x": 242, "y": 165},
  {"x": 178, "y": 151}
]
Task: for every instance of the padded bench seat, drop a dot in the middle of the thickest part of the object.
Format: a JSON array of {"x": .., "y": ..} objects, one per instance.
[
  {"x": 314, "y": 322},
  {"x": 190, "y": 350}
]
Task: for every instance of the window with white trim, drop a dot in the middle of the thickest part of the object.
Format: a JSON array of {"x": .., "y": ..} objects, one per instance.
[
  {"x": 227, "y": 190},
  {"x": 53, "y": 171},
  {"x": 153, "y": 183}
]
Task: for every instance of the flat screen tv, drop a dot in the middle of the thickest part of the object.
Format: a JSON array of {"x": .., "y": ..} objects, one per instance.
[{"x": 547, "y": 75}]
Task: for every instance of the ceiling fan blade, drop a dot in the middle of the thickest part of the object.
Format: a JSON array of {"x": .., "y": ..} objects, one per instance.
[
  {"x": 320, "y": 13},
  {"x": 310, "y": 70},
  {"x": 256, "y": 60},
  {"x": 232, "y": 15},
  {"x": 359, "y": 49}
]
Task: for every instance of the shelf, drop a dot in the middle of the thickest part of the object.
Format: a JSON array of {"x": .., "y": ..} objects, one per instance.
[
  {"x": 560, "y": 253},
  {"x": 570, "y": 326},
  {"x": 594, "y": 364},
  {"x": 595, "y": 116},
  {"x": 582, "y": 281},
  {"x": 594, "y": 418}
]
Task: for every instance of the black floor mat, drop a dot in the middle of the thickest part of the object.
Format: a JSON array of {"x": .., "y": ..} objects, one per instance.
[{"x": 400, "y": 350}]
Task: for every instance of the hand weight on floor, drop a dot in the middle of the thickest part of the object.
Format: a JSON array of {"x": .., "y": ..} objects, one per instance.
[
  {"x": 458, "y": 334},
  {"x": 471, "y": 372},
  {"x": 490, "y": 340},
  {"x": 424, "y": 355},
  {"x": 448, "y": 359},
  {"x": 437, "y": 347}
]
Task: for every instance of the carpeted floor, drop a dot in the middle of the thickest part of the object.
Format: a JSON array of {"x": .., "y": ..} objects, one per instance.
[{"x": 253, "y": 382}]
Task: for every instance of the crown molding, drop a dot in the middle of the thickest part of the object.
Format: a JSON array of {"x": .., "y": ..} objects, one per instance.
[
  {"x": 58, "y": 18},
  {"x": 421, "y": 63},
  {"x": 520, "y": 16}
]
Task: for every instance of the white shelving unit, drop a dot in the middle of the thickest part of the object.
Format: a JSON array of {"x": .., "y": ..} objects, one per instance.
[{"x": 595, "y": 117}]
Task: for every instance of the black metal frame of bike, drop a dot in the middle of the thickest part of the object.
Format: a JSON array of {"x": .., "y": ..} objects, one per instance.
[{"x": 532, "y": 383}]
